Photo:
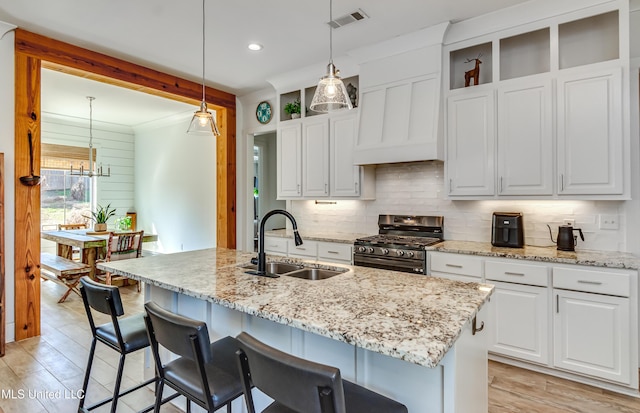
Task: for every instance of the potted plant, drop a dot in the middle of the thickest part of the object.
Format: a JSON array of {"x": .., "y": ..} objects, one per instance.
[
  {"x": 100, "y": 217},
  {"x": 293, "y": 109}
]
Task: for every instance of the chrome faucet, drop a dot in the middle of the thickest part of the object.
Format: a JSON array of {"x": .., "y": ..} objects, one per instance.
[{"x": 262, "y": 257}]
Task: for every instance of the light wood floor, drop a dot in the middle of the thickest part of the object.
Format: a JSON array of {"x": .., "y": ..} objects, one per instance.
[{"x": 56, "y": 360}]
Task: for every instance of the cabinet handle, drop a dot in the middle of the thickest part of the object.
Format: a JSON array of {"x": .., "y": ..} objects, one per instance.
[
  {"x": 500, "y": 184},
  {"x": 298, "y": 189},
  {"x": 589, "y": 282},
  {"x": 301, "y": 248},
  {"x": 519, "y": 274},
  {"x": 333, "y": 252},
  {"x": 475, "y": 329},
  {"x": 450, "y": 185},
  {"x": 557, "y": 304},
  {"x": 561, "y": 182},
  {"x": 453, "y": 265},
  {"x": 325, "y": 188}
]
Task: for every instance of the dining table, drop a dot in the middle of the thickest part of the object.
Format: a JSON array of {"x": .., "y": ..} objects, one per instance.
[{"x": 91, "y": 244}]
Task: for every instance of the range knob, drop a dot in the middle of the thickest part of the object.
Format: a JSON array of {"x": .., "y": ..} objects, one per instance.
[
  {"x": 361, "y": 249},
  {"x": 370, "y": 250},
  {"x": 399, "y": 253},
  {"x": 384, "y": 251},
  {"x": 410, "y": 254}
]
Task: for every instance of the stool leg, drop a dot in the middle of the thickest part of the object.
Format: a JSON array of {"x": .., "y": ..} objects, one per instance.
[
  {"x": 85, "y": 384},
  {"x": 229, "y": 407},
  {"x": 188, "y": 406},
  {"x": 116, "y": 390},
  {"x": 159, "y": 389}
]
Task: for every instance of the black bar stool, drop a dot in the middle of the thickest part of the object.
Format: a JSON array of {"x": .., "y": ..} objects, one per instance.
[
  {"x": 124, "y": 335},
  {"x": 299, "y": 385},
  {"x": 205, "y": 373}
]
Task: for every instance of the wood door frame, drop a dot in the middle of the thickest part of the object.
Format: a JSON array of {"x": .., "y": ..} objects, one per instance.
[{"x": 32, "y": 53}]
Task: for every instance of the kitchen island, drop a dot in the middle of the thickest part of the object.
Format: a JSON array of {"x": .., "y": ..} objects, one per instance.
[{"x": 407, "y": 336}]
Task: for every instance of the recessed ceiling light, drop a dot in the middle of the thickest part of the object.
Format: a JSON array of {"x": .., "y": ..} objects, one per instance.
[{"x": 255, "y": 46}]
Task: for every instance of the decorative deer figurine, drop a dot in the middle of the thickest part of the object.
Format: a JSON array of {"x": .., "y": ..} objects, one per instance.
[{"x": 473, "y": 73}]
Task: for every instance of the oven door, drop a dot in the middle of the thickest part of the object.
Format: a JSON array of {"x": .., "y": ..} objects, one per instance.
[{"x": 390, "y": 263}]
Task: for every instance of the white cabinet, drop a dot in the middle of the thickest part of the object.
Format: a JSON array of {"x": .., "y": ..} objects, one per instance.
[
  {"x": 457, "y": 267},
  {"x": 336, "y": 252},
  {"x": 344, "y": 175},
  {"x": 593, "y": 327},
  {"x": 315, "y": 157},
  {"x": 470, "y": 144},
  {"x": 309, "y": 249},
  {"x": 519, "y": 310},
  {"x": 275, "y": 246},
  {"x": 591, "y": 335},
  {"x": 525, "y": 138},
  {"x": 289, "y": 160},
  {"x": 590, "y": 133}
]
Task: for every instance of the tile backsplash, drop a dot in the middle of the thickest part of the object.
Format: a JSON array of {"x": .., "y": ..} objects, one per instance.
[{"x": 417, "y": 189}]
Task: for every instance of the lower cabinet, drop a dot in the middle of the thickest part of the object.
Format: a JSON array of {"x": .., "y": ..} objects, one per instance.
[
  {"x": 518, "y": 322},
  {"x": 335, "y": 252}
]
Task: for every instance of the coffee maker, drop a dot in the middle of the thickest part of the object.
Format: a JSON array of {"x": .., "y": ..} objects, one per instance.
[{"x": 507, "y": 230}]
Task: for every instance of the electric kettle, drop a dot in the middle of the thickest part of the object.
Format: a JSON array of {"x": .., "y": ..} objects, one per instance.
[{"x": 566, "y": 241}]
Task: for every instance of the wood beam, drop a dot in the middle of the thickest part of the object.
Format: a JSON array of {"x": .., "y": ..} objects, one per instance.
[
  {"x": 27, "y": 198},
  {"x": 34, "y": 51}
]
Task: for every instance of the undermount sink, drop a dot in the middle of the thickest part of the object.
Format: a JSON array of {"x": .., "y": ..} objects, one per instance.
[
  {"x": 278, "y": 268},
  {"x": 314, "y": 273},
  {"x": 275, "y": 269}
]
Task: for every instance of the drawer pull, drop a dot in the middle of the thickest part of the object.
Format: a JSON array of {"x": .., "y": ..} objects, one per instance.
[
  {"x": 454, "y": 265},
  {"x": 519, "y": 274},
  {"x": 301, "y": 249},
  {"x": 273, "y": 246},
  {"x": 589, "y": 282},
  {"x": 333, "y": 252}
]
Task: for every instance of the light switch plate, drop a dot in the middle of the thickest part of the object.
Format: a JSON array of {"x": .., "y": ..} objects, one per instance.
[{"x": 608, "y": 221}]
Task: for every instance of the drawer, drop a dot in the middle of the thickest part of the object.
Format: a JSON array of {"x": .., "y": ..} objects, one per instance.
[
  {"x": 309, "y": 249},
  {"x": 515, "y": 272},
  {"x": 275, "y": 244},
  {"x": 332, "y": 251},
  {"x": 601, "y": 281},
  {"x": 455, "y": 264}
]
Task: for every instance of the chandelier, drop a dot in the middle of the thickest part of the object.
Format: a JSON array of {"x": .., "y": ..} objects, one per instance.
[{"x": 93, "y": 170}]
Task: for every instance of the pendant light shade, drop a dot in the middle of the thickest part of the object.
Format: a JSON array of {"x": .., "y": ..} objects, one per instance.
[
  {"x": 331, "y": 94},
  {"x": 203, "y": 121}
]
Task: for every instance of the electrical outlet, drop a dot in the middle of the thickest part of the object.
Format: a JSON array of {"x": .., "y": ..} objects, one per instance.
[
  {"x": 607, "y": 221},
  {"x": 569, "y": 221}
]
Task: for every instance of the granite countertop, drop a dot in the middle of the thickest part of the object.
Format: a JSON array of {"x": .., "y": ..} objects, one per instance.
[
  {"x": 610, "y": 259},
  {"x": 342, "y": 238},
  {"x": 406, "y": 316}
]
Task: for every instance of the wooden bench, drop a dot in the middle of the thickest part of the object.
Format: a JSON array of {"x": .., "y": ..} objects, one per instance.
[{"x": 65, "y": 272}]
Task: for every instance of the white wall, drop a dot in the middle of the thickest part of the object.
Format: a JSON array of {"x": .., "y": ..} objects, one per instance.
[
  {"x": 7, "y": 146},
  {"x": 417, "y": 188},
  {"x": 175, "y": 187},
  {"x": 114, "y": 145}
]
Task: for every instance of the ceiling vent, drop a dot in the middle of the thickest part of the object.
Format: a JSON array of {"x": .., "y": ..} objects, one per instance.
[{"x": 348, "y": 19}]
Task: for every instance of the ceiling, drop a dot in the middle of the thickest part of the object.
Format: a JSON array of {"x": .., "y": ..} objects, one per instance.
[{"x": 166, "y": 35}]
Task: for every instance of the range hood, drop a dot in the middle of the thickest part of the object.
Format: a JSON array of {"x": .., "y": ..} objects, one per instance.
[{"x": 401, "y": 116}]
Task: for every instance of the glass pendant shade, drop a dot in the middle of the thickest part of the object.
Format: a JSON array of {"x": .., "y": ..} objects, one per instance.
[
  {"x": 331, "y": 94},
  {"x": 203, "y": 122}
]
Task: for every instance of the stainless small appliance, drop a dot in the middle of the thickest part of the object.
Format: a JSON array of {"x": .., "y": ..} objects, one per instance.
[
  {"x": 565, "y": 240},
  {"x": 507, "y": 230},
  {"x": 400, "y": 244}
]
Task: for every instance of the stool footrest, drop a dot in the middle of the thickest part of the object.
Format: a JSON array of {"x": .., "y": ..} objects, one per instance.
[{"x": 123, "y": 393}]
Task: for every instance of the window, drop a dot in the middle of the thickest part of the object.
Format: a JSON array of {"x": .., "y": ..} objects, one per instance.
[{"x": 65, "y": 199}]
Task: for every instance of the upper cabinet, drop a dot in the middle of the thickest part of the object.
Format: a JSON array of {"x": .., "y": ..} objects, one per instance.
[
  {"x": 315, "y": 152},
  {"x": 549, "y": 104}
]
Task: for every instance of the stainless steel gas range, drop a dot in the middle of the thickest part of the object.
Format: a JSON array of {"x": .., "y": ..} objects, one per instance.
[{"x": 400, "y": 243}]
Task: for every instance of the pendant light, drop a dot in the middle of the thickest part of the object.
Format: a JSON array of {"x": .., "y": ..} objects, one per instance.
[
  {"x": 331, "y": 94},
  {"x": 203, "y": 121},
  {"x": 92, "y": 171}
]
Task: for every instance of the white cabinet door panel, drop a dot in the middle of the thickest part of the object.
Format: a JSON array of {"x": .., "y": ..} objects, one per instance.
[
  {"x": 289, "y": 161},
  {"x": 470, "y": 144},
  {"x": 590, "y": 133},
  {"x": 315, "y": 147},
  {"x": 591, "y": 335},
  {"x": 525, "y": 139},
  {"x": 345, "y": 176},
  {"x": 519, "y": 322}
]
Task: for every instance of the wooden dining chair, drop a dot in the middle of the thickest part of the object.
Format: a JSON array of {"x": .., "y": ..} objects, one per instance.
[{"x": 122, "y": 246}]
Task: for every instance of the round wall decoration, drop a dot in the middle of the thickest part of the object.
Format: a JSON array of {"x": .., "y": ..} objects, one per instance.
[{"x": 264, "y": 112}]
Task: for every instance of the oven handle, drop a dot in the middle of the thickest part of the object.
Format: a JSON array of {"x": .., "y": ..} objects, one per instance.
[{"x": 390, "y": 263}]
